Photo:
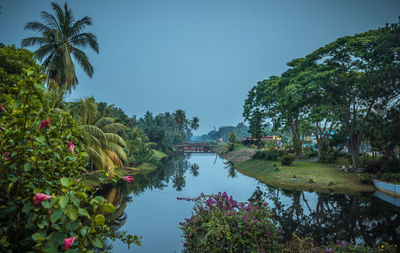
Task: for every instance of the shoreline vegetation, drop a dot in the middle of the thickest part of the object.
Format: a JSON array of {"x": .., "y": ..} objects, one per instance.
[{"x": 301, "y": 175}]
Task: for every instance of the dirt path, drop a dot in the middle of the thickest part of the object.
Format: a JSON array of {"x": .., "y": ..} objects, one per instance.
[{"x": 235, "y": 156}]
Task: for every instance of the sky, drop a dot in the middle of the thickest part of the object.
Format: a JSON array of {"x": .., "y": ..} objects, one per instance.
[{"x": 201, "y": 56}]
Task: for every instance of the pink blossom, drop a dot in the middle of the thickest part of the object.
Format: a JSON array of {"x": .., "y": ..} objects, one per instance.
[
  {"x": 44, "y": 123},
  {"x": 39, "y": 197},
  {"x": 2, "y": 128},
  {"x": 71, "y": 146},
  {"x": 6, "y": 156},
  {"x": 128, "y": 179},
  {"x": 2, "y": 108},
  {"x": 68, "y": 242}
]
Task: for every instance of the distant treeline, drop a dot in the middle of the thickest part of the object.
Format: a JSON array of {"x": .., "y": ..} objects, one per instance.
[{"x": 241, "y": 131}]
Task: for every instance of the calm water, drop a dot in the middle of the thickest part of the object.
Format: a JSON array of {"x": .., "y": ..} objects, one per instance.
[{"x": 149, "y": 208}]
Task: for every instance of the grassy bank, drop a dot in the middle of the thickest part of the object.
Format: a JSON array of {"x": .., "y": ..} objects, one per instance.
[{"x": 325, "y": 177}]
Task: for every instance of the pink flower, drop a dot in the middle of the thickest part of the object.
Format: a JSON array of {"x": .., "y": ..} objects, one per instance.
[
  {"x": 3, "y": 128},
  {"x": 2, "y": 108},
  {"x": 6, "y": 156},
  {"x": 44, "y": 123},
  {"x": 71, "y": 146},
  {"x": 128, "y": 179},
  {"x": 39, "y": 197},
  {"x": 68, "y": 242}
]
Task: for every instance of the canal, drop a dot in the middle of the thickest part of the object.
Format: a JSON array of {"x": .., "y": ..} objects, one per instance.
[{"x": 148, "y": 207}]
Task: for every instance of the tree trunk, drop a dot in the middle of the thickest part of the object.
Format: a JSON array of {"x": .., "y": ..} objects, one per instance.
[
  {"x": 296, "y": 139},
  {"x": 354, "y": 148}
]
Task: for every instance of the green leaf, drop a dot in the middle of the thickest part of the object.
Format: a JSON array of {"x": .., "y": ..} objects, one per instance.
[
  {"x": 81, "y": 195},
  {"x": 97, "y": 242},
  {"x": 99, "y": 219},
  {"x": 64, "y": 182},
  {"x": 40, "y": 139},
  {"x": 64, "y": 201},
  {"x": 55, "y": 216},
  {"x": 72, "y": 212},
  {"x": 37, "y": 237},
  {"x": 27, "y": 167},
  {"x": 84, "y": 212},
  {"x": 109, "y": 208}
]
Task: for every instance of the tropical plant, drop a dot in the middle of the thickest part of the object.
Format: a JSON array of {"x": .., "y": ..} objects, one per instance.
[
  {"x": 61, "y": 38},
  {"x": 180, "y": 119},
  {"x": 45, "y": 206},
  {"x": 105, "y": 146},
  {"x": 194, "y": 123}
]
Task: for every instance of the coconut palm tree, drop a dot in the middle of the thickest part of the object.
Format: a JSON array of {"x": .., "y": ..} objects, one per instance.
[
  {"x": 194, "y": 123},
  {"x": 180, "y": 120},
  {"x": 61, "y": 38},
  {"x": 105, "y": 146}
]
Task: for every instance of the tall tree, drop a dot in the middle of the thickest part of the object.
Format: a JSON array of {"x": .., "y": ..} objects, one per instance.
[
  {"x": 61, "y": 38},
  {"x": 194, "y": 123}
]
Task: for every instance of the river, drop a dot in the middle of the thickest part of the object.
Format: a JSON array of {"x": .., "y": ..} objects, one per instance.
[{"x": 148, "y": 207}]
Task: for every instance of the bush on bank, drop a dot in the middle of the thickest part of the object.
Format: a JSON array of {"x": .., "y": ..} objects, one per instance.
[{"x": 44, "y": 206}]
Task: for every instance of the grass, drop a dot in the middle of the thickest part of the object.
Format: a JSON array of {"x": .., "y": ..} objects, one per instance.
[{"x": 308, "y": 176}]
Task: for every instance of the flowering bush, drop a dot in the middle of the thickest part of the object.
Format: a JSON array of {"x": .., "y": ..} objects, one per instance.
[
  {"x": 44, "y": 205},
  {"x": 221, "y": 224}
]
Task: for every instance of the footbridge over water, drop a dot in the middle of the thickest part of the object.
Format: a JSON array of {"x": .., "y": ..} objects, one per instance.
[{"x": 194, "y": 147}]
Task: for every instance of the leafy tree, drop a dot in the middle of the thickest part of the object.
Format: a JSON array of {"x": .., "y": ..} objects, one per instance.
[
  {"x": 194, "y": 123},
  {"x": 61, "y": 37}
]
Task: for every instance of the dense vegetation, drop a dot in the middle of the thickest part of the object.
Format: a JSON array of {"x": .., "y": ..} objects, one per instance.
[
  {"x": 241, "y": 131},
  {"x": 345, "y": 94}
]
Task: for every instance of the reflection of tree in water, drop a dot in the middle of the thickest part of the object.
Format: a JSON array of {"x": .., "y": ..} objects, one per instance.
[
  {"x": 194, "y": 169},
  {"x": 330, "y": 217},
  {"x": 179, "y": 181},
  {"x": 231, "y": 169}
]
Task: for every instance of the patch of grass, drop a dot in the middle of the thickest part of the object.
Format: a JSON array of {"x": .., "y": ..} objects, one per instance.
[{"x": 321, "y": 174}]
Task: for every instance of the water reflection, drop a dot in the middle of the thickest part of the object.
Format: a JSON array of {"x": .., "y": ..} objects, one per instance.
[
  {"x": 326, "y": 217},
  {"x": 321, "y": 216}
]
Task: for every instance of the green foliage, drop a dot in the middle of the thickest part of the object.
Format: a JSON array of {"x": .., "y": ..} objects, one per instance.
[
  {"x": 241, "y": 131},
  {"x": 311, "y": 181},
  {"x": 365, "y": 178},
  {"x": 287, "y": 160},
  {"x": 391, "y": 177},
  {"x": 220, "y": 224},
  {"x": 343, "y": 161},
  {"x": 37, "y": 157},
  {"x": 391, "y": 166}
]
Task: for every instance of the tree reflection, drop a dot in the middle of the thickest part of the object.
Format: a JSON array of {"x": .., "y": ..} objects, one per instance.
[
  {"x": 329, "y": 217},
  {"x": 194, "y": 169},
  {"x": 231, "y": 169},
  {"x": 179, "y": 181}
]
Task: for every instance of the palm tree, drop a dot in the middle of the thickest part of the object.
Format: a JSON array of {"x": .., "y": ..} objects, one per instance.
[
  {"x": 180, "y": 119},
  {"x": 60, "y": 37},
  {"x": 194, "y": 123},
  {"x": 105, "y": 146}
]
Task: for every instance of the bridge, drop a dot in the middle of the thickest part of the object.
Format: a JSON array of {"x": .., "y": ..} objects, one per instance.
[{"x": 194, "y": 147}]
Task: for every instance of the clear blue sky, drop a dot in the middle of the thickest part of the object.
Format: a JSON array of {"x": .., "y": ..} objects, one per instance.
[{"x": 201, "y": 56}]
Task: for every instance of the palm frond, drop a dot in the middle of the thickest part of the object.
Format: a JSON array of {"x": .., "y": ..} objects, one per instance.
[
  {"x": 95, "y": 131},
  {"x": 84, "y": 39},
  {"x": 79, "y": 25},
  {"x": 116, "y": 149},
  {"x": 60, "y": 14},
  {"x": 114, "y": 157},
  {"x": 31, "y": 41},
  {"x": 104, "y": 121},
  {"x": 115, "y": 138},
  {"x": 51, "y": 21},
  {"x": 114, "y": 128},
  {"x": 36, "y": 26},
  {"x": 83, "y": 61},
  {"x": 44, "y": 50},
  {"x": 94, "y": 156}
]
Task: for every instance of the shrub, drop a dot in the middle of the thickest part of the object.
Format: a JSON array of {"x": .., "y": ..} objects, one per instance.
[
  {"x": 220, "y": 224},
  {"x": 44, "y": 200},
  {"x": 311, "y": 181},
  {"x": 391, "y": 177},
  {"x": 294, "y": 176},
  {"x": 331, "y": 183},
  {"x": 373, "y": 166},
  {"x": 287, "y": 160},
  {"x": 328, "y": 157},
  {"x": 365, "y": 159},
  {"x": 260, "y": 155},
  {"x": 342, "y": 161},
  {"x": 365, "y": 179},
  {"x": 391, "y": 166}
]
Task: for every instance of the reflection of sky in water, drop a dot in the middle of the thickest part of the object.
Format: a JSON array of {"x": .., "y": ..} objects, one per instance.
[{"x": 155, "y": 214}]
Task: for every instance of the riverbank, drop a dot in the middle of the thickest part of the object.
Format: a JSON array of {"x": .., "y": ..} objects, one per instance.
[{"x": 301, "y": 175}]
